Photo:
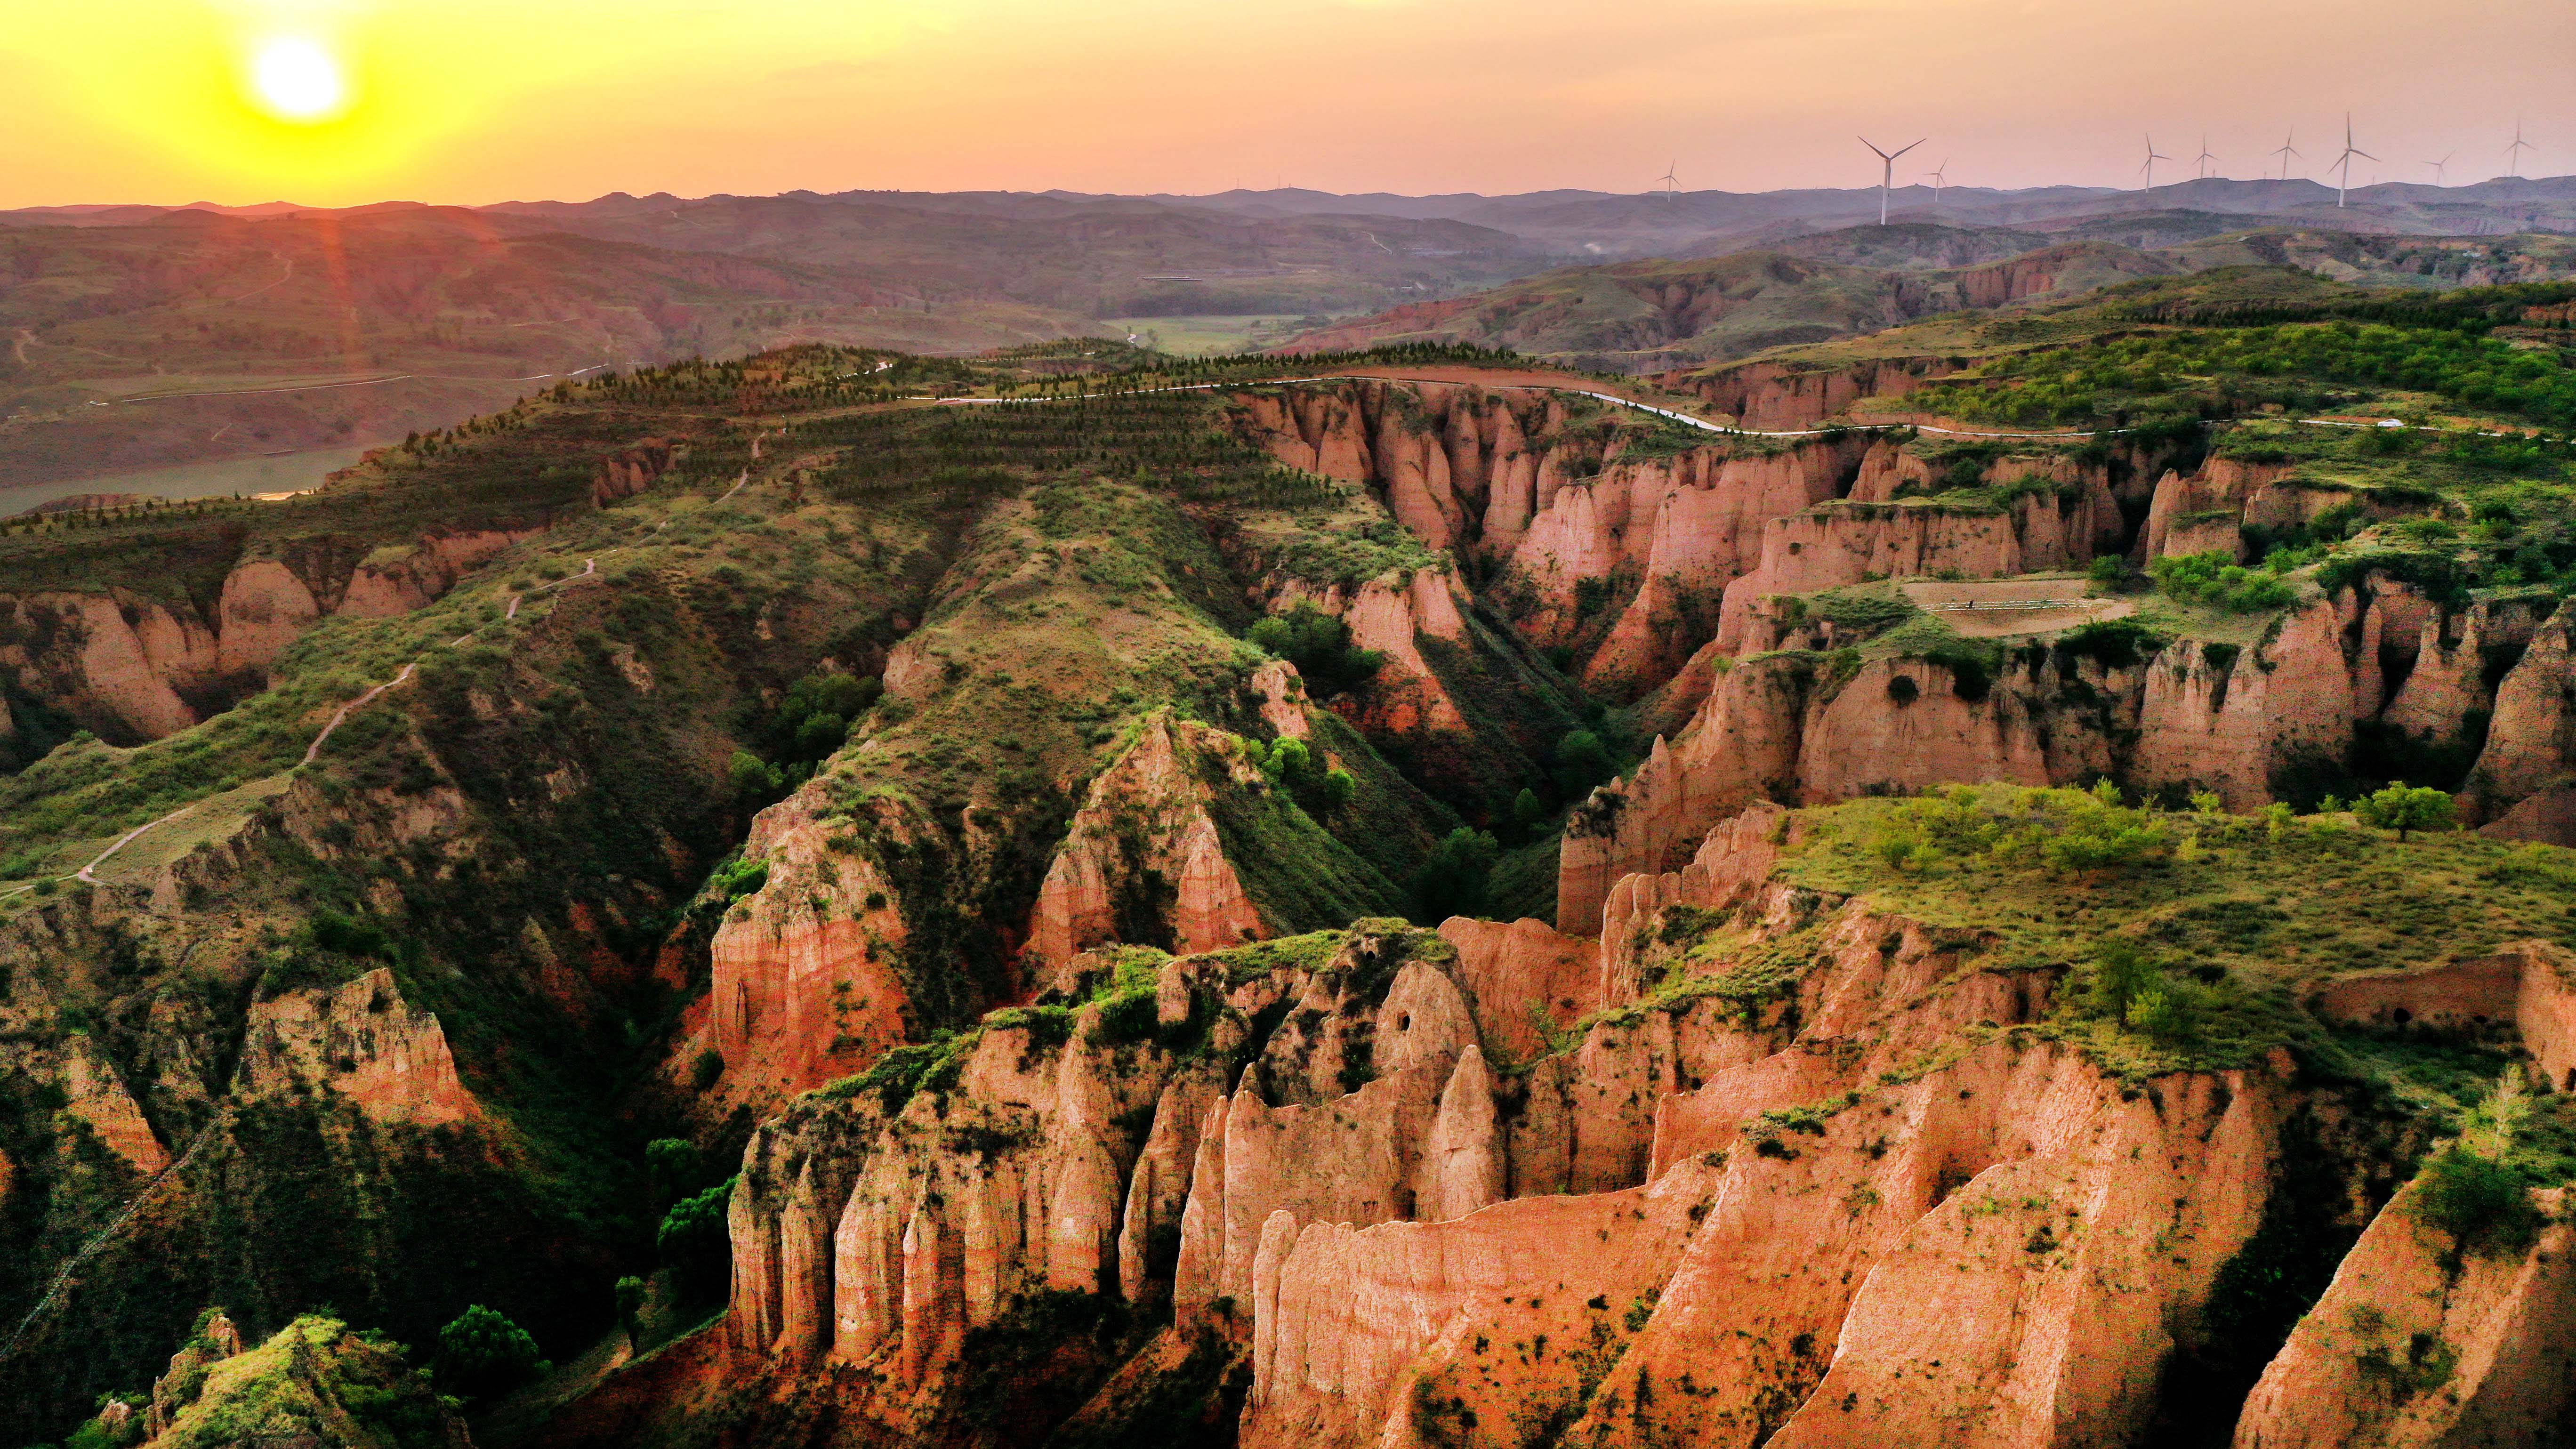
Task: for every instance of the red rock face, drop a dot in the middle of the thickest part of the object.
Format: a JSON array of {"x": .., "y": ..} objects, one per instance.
[
  {"x": 127, "y": 666},
  {"x": 806, "y": 988},
  {"x": 2531, "y": 739},
  {"x": 385, "y": 587},
  {"x": 1769, "y": 396},
  {"x": 1385, "y": 1333},
  {"x": 99, "y": 1099},
  {"x": 362, "y": 1042},
  {"x": 2507, "y": 1324},
  {"x": 630, "y": 471},
  {"x": 2530, "y": 984},
  {"x": 1389, "y": 615},
  {"x": 1522, "y": 974},
  {"x": 2220, "y": 719},
  {"x": 1509, "y": 477},
  {"x": 1144, "y": 832}
]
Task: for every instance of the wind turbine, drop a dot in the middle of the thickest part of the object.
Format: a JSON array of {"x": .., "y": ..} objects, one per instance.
[
  {"x": 2153, "y": 156},
  {"x": 2514, "y": 152},
  {"x": 2200, "y": 163},
  {"x": 2441, "y": 168},
  {"x": 2345, "y": 160},
  {"x": 2287, "y": 151},
  {"x": 1940, "y": 178},
  {"x": 1886, "y": 178},
  {"x": 1672, "y": 183}
]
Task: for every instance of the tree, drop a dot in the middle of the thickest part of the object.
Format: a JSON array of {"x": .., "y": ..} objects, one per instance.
[
  {"x": 2405, "y": 808},
  {"x": 1527, "y": 811},
  {"x": 695, "y": 1243},
  {"x": 1319, "y": 645},
  {"x": 672, "y": 1163},
  {"x": 483, "y": 1355},
  {"x": 1582, "y": 762},
  {"x": 2122, "y": 973},
  {"x": 1454, "y": 881},
  {"x": 630, "y": 1307},
  {"x": 753, "y": 778}
]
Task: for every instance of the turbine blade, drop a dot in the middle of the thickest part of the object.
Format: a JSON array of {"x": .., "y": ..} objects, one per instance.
[{"x": 1909, "y": 148}]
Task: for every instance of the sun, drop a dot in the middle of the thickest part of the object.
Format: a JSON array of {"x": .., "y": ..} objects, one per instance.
[{"x": 295, "y": 79}]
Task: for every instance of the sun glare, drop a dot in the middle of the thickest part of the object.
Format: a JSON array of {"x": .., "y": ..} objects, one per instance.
[{"x": 295, "y": 79}]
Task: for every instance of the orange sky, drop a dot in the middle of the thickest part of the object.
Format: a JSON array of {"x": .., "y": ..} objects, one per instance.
[{"x": 486, "y": 100}]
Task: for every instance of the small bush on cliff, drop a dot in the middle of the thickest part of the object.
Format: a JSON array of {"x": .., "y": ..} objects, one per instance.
[
  {"x": 695, "y": 1244},
  {"x": 2477, "y": 1200},
  {"x": 2404, "y": 808},
  {"x": 483, "y": 1355},
  {"x": 1290, "y": 765},
  {"x": 2111, "y": 643},
  {"x": 2218, "y": 581},
  {"x": 1320, "y": 646}
]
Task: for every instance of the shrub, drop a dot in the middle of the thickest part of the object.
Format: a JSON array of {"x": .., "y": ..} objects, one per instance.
[
  {"x": 1319, "y": 645},
  {"x": 1582, "y": 762},
  {"x": 2112, "y": 643},
  {"x": 351, "y": 936},
  {"x": 2122, "y": 972},
  {"x": 704, "y": 1071},
  {"x": 2104, "y": 848},
  {"x": 483, "y": 1355},
  {"x": 1125, "y": 1019},
  {"x": 671, "y": 1164},
  {"x": 2404, "y": 808},
  {"x": 2214, "y": 579},
  {"x": 2478, "y": 1201},
  {"x": 752, "y": 778},
  {"x": 630, "y": 1306},
  {"x": 695, "y": 1244},
  {"x": 1527, "y": 811}
]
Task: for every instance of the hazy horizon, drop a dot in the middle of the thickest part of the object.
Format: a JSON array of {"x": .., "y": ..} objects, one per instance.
[{"x": 333, "y": 103}]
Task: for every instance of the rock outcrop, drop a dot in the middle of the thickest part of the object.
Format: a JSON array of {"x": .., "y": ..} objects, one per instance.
[
  {"x": 132, "y": 667},
  {"x": 1773, "y": 396},
  {"x": 98, "y": 1097},
  {"x": 2231, "y": 719},
  {"x": 361, "y": 1041},
  {"x": 631, "y": 470},
  {"x": 1142, "y": 862},
  {"x": 806, "y": 984},
  {"x": 2419, "y": 1344},
  {"x": 216, "y": 1340},
  {"x": 2528, "y": 986},
  {"x": 1390, "y": 616},
  {"x": 2531, "y": 736},
  {"x": 1527, "y": 485}
]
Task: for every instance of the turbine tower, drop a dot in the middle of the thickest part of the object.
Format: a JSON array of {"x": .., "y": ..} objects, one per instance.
[
  {"x": 2153, "y": 156},
  {"x": 1672, "y": 183},
  {"x": 2286, "y": 152},
  {"x": 2200, "y": 163},
  {"x": 2441, "y": 168},
  {"x": 1887, "y": 177},
  {"x": 2513, "y": 153},
  {"x": 2344, "y": 180},
  {"x": 1940, "y": 177}
]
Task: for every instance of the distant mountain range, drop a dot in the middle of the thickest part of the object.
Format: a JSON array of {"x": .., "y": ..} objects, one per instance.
[{"x": 289, "y": 327}]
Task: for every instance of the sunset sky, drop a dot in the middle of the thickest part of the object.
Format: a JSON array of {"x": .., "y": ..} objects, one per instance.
[{"x": 333, "y": 102}]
